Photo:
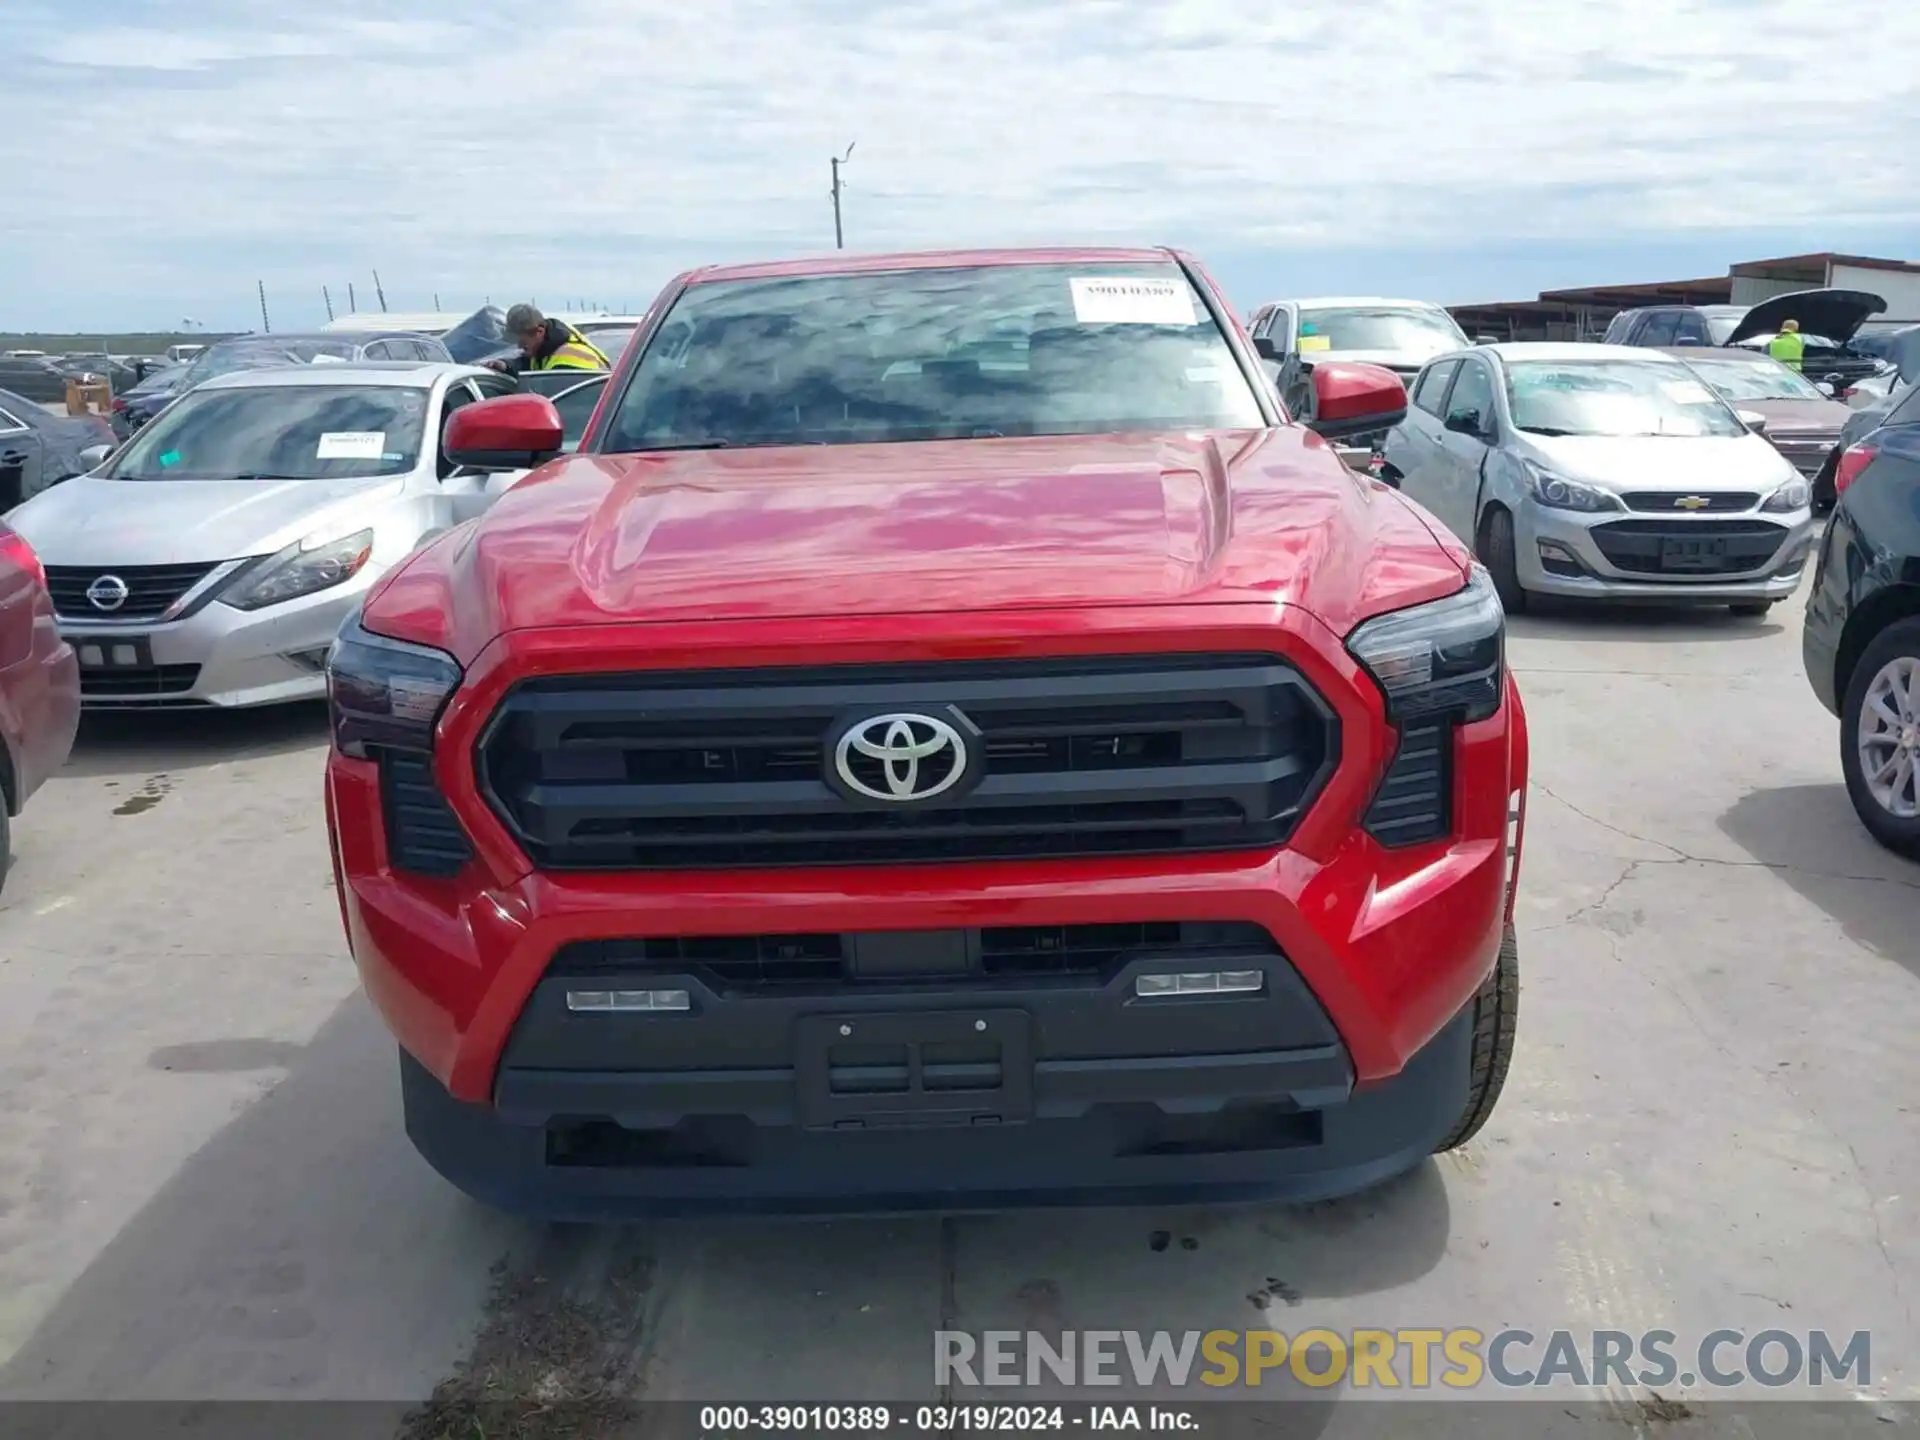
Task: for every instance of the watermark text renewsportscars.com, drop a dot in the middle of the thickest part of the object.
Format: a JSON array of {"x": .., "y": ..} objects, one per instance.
[{"x": 1401, "y": 1359}]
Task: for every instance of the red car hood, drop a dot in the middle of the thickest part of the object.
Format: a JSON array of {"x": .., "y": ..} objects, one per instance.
[{"x": 970, "y": 525}]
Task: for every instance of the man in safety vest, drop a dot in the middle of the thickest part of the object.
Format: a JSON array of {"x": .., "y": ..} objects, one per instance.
[
  {"x": 547, "y": 344},
  {"x": 1787, "y": 347}
]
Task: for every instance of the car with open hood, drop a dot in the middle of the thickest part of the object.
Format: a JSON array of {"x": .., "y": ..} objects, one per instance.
[
  {"x": 1603, "y": 472},
  {"x": 945, "y": 737},
  {"x": 1828, "y": 320},
  {"x": 210, "y": 560}
]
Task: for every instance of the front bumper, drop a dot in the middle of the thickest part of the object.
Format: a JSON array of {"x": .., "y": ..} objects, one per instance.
[
  {"x": 1384, "y": 946},
  {"x": 1301, "y": 1136},
  {"x": 1558, "y": 553},
  {"x": 215, "y": 656}
]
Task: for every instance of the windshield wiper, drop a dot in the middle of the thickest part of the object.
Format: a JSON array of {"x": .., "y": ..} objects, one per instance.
[
  {"x": 1544, "y": 430},
  {"x": 685, "y": 445}
]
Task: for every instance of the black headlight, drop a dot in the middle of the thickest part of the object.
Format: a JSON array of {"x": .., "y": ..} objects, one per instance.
[
  {"x": 1445, "y": 657},
  {"x": 385, "y": 694}
]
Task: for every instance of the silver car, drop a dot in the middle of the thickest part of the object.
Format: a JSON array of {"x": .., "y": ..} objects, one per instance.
[
  {"x": 210, "y": 561},
  {"x": 1605, "y": 472}
]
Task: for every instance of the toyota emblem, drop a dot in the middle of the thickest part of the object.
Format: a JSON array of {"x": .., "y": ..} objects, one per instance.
[
  {"x": 109, "y": 592},
  {"x": 903, "y": 757}
]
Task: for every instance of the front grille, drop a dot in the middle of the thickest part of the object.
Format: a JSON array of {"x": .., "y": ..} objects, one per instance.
[
  {"x": 151, "y": 589},
  {"x": 1415, "y": 800},
  {"x": 1668, "y": 502},
  {"x": 745, "y": 964},
  {"x": 1638, "y": 546},
  {"x": 1104, "y": 756},
  {"x": 136, "y": 682},
  {"x": 422, "y": 833}
]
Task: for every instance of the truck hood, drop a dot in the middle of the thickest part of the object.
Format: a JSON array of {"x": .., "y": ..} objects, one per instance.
[
  {"x": 826, "y": 531},
  {"x": 1836, "y": 315},
  {"x": 90, "y": 521}
]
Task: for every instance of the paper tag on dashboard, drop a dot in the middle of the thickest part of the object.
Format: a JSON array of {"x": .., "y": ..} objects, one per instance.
[
  {"x": 351, "y": 445},
  {"x": 1124, "y": 300}
]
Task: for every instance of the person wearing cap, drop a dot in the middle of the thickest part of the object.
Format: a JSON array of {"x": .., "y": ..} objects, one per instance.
[
  {"x": 547, "y": 344},
  {"x": 1787, "y": 347}
]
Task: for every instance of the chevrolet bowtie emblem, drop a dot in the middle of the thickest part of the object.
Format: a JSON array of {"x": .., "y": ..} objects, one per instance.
[{"x": 1692, "y": 502}]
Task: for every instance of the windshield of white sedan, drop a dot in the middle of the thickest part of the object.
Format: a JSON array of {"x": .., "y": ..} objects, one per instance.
[
  {"x": 1614, "y": 398},
  {"x": 293, "y": 432},
  {"x": 947, "y": 354},
  {"x": 1736, "y": 381},
  {"x": 1411, "y": 332}
]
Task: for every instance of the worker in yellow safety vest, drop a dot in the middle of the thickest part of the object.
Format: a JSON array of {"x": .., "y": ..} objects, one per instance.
[
  {"x": 1787, "y": 347},
  {"x": 547, "y": 344}
]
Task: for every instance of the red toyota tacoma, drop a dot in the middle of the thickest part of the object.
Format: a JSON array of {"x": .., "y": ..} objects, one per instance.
[{"x": 945, "y": 739}]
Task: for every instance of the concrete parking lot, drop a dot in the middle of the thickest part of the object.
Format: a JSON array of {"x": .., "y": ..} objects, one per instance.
[{"x": 1711, "y": 1122}]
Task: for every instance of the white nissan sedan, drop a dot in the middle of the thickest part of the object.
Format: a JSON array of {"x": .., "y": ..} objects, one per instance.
[
  {"x": 1605, "y": 472},
  {"x": 211, "y": 559}
]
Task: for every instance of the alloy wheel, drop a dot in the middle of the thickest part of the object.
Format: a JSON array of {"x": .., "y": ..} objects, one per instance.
[{"x": 1889, "y": 737}]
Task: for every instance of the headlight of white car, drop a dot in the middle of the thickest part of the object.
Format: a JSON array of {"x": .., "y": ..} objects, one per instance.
[
  {"x": 302, "y": 569},
  {"x": 1557, "y": 492},
  {"x": 1794, "y": 495}
]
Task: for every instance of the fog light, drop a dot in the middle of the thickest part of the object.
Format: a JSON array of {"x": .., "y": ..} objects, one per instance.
[
  {"x": 1557, "y": 559},
  {"x": 1205, "y": 982},
  {"x": 314, "y": 660},
  {"x": 92, "y": 656},
  {"x": 626, "y": 1002}
]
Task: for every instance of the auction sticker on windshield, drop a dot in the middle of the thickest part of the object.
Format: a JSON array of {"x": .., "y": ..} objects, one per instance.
[
  {"x": 351, "y": 445},
  {"x": 1121, "y": 300}
]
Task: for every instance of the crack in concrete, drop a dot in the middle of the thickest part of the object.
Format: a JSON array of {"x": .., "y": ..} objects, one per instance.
[{"x": 1677, "y": 856}]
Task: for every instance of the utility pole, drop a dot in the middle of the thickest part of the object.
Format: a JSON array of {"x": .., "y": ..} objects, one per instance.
[
  {"x": 839, "y": 235},
  {"x": 353, "y": 305},
  {"x": 436, "y": 302},
  {"x": 266, "y": 325},
  {"x": 378, "y": 291},
  {"x": 329, "y": 299}
]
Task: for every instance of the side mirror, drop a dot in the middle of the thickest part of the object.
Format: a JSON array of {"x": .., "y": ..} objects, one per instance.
[
  {"x": 1754, "y": 421},
  {"x": 1466, "y": 422},
  {"x": 1825, "y": 387},
  {"x": 94, "y": 456},
  {"x": 512, "y": 432},
  {"x": 1350, "y": 399},
  {"x": 1486, "y": 339},
  {"x": 1264, "y": 347}
]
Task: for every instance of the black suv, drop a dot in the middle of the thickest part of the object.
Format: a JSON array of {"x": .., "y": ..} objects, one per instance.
[
  {"x": 1829, "y": 319},
  {"x": 1861, "y": 644}
]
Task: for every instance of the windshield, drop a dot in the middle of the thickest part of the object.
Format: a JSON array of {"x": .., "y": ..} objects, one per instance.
[
  {"x": 610, "y": 343},
  {"x": 1420, "y": 333},
  {"x": 1614, "y": 397},
  {"x": 959, "y": 353},
  {"x": 1721, "y": 327},
  {"x": 1734, "y": 381},
  {"x": 287, "y": 432},
  {"x": 262, "y": 353}
]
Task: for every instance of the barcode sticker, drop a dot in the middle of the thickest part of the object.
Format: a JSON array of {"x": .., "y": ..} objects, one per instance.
[{"x": 1123, "y": 300}]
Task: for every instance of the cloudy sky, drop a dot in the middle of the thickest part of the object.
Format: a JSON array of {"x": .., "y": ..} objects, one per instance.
[{"x": 157, "y": 157}]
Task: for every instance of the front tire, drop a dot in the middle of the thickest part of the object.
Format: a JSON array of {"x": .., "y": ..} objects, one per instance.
[
  {"x": 1880, "y": 738},
  {"x": 1496, "y": 1014},
  {"x": 1499, "y": 552}
]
